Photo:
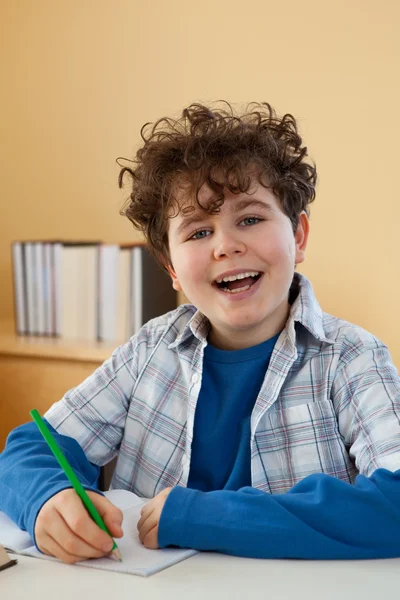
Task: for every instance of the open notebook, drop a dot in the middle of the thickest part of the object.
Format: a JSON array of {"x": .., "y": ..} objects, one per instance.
[{"x": 136, "y": 559}]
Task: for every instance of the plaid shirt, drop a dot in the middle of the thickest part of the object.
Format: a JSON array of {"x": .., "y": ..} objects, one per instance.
[{"x": 329, "y": 402}]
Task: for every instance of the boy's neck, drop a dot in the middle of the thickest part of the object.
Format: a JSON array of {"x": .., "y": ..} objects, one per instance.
[{"x": 238, "y": 340}]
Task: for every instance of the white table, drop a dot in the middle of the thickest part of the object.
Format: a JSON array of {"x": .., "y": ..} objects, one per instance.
[{"x": 207, "y": 576}]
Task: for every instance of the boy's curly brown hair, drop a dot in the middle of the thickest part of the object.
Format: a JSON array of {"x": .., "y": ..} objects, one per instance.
[{"x": 222, "y": 149}]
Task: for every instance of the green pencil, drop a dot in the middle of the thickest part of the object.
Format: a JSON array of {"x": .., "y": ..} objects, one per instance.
[{"x": 76, "y": 484}]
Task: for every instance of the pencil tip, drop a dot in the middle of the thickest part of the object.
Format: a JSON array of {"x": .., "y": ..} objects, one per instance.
[{"x": 117, "y": 554}]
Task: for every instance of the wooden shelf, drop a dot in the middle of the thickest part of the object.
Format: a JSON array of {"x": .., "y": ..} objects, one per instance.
[
  {"x": 37, "y": 371},
  {"x": 12, "y": 344}
]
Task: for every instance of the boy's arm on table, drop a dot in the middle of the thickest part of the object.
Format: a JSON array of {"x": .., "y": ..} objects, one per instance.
[
  {"x": 30, "y": 474},
  {"x": 321, "y": 517}
]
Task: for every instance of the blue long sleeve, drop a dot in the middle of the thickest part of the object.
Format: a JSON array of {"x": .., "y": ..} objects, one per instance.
[
  {"x": 30, "y": 474},
  {"x": 319, "y": 518}
]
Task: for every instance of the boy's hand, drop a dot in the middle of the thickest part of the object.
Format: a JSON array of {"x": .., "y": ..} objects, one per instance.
[
  {"x": 150, "y": 518},
  {"x": 65, "y": 530}
]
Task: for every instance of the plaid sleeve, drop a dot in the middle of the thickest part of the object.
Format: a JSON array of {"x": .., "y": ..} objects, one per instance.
[
  {"x": 94, "y": 412},
  {"x": 366, "y": 395}
]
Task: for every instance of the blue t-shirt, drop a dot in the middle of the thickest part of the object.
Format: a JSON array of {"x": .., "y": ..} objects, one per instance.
[{"x": 221, "y": 436}]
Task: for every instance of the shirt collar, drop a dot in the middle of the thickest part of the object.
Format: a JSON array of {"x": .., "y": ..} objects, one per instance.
[
  {"x": 305, "y": 310},
  {"x": 197, "y": 326}
]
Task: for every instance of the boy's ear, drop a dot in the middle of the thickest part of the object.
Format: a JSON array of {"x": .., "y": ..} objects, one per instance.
[
  {"x": 301, "y": 237},
  {"x": 175, "y": 283}
]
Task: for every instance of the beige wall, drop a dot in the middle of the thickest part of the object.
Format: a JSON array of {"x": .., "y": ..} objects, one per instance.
[{"x": 80, "y": 77}]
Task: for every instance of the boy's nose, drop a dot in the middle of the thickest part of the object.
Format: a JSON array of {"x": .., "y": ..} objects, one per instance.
[{"x": 228, "y": 246}]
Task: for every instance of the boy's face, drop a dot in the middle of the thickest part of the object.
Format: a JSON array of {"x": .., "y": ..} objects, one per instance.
[{"x": 250, "y": 234}]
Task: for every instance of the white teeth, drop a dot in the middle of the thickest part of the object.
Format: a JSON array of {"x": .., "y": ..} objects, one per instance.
[
  {"x": 239, "y": 276},
  {"x": 242, "y": 289}
]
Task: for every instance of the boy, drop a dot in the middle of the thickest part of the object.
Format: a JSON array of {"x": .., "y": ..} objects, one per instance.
[{"x": 259, "y": 425}]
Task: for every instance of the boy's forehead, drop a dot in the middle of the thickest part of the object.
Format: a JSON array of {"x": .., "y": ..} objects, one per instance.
[
  {"x": 187, "y": 199},
  {"x": 184, "y": 201}
]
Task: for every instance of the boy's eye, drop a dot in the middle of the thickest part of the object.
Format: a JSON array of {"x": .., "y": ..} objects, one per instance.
[
  {"x": 198, "y": 235},
  {"x": 251, "y": 220}
]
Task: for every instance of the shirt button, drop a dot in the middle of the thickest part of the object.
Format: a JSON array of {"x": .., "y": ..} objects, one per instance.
[{"x": 195, "y": 378}]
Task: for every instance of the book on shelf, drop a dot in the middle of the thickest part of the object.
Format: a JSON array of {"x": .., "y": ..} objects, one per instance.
[
  {"x": 136, "y": 559},
  {"x": 108, "y": 293},
  {"x": 125, "y": 299},
  {"x": 87, "y": 290},
  {"x": 78, "y": 289},
  {"x": 19, "y": 284}
]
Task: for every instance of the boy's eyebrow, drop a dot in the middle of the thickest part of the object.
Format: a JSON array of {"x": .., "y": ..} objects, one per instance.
[
  {"x": 238, "y": 205},
  {"x": 250, "y": 203}
]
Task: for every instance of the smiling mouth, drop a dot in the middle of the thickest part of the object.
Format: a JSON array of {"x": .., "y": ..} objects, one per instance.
[{"x": 239, "y": 285}]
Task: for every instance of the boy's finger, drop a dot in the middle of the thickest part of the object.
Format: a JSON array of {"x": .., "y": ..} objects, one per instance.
[
  {"x": 151, "y": 539},
  {"x": 52, "y": 548},
  {"x": 111, "y": 514},
  {"x": 147, "y": 525},
  {"x": 144, "y": 515},
  {"x": 82, "y": 525},
  {"x": 73, "y": 543},
  {"x": 145, "y": 512}
]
